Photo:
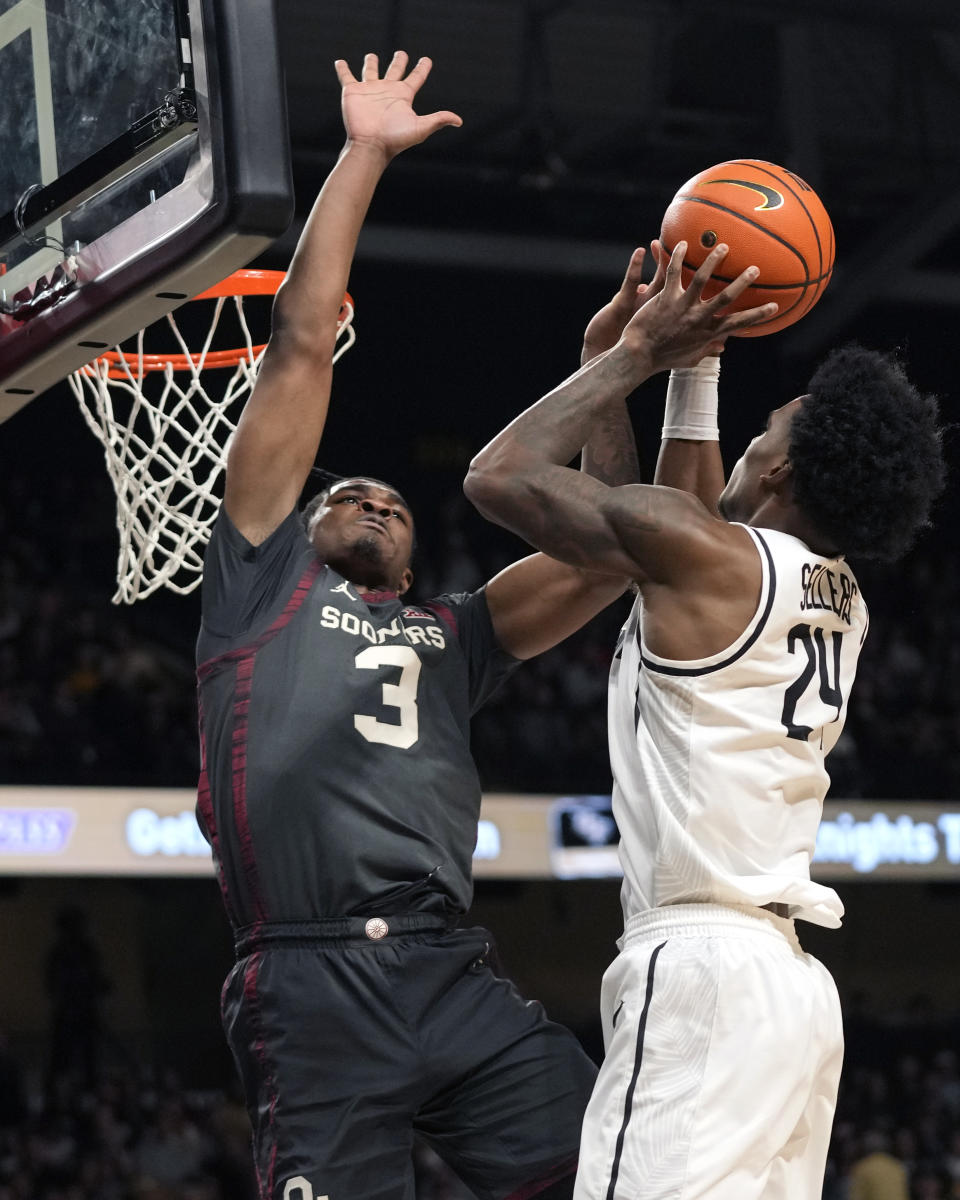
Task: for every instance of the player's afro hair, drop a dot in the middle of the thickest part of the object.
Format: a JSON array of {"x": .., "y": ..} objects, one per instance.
[{"x": 867, "y": 455}]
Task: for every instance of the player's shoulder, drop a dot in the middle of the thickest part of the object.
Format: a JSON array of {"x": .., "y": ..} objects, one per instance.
[
  {"x": 245, "y": 586},
  {"x": 290, "y": 532},
  {"x": 815, "y": 585},
  {"x": 456, "y": 610}
]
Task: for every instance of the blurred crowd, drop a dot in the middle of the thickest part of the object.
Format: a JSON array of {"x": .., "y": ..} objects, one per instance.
[
  {"x": 135, "y": 1133},
  {"x": 89, "y": 693},
  {"x": 130, "y": 1136},
  {"x": 896, "y": 1135},
  {"x": 92, "y": 693}
]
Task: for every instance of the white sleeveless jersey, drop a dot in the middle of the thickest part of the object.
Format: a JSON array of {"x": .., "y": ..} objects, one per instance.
[{"x": 718, "y": 763}]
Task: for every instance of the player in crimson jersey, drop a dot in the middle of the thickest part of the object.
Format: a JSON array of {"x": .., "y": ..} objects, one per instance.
[{"x": 338, "y": 791}]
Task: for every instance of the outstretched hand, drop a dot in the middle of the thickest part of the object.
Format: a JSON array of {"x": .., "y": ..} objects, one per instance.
[
  {"x": 379, "y": 112},
  {"x": 607, "y": 324},
  {"x": 675, "y": 326}
]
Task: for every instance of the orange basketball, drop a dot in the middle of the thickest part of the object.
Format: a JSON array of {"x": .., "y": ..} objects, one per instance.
[{"x": 770, "y": 219}]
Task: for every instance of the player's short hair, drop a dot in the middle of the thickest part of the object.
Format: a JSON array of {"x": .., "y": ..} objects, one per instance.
[
  {"x": 866, "y": 450},
  {"x": 310, "y": 508},
  {"x": 329, "y": 482}
]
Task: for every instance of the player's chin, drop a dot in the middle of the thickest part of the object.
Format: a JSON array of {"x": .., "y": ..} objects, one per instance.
[
  {"x": 370, "y": 548},
  {"x": 362, "y": 561}
]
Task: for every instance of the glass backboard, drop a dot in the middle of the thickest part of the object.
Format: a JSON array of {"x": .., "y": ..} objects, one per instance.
[{"x": 143, "y": 157}]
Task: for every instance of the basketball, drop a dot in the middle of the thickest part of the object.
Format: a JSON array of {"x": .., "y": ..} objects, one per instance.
[{"x": 771, "y": 219}]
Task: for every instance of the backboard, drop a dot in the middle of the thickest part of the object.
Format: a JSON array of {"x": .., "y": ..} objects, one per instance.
[{"x": 143, "y": 157}]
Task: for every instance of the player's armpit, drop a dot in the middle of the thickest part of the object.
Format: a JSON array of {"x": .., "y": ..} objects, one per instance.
[{"x": 537, "y": 602}]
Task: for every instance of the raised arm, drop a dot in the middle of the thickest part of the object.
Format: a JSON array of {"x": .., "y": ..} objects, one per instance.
[
  {"x": 608, "y": 323},
  {"x": 610, "y": 454},
  {"x": 689, "y": 458},
  {"x": 537, "y": 602},
  {"x": 279, "y": 432},
  {"x": 519, "y": 479}
]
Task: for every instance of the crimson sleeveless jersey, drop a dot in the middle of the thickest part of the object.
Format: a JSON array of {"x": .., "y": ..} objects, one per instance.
[
  {"x": 718, "y": 763},
  {"x": 336, "y": 775}
]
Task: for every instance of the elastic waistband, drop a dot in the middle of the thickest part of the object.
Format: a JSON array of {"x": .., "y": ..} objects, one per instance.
[
  {"x": 338, "y": 929},
  {"x": 707, "y": 920}
]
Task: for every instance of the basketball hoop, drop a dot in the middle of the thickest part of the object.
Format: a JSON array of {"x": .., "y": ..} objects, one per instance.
[{"x": 165, "y": 430}]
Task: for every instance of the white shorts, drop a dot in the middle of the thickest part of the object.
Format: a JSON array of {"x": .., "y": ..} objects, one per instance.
[{"x": 724, "y": 1043}]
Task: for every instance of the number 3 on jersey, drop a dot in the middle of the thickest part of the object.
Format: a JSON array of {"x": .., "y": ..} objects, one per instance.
[
  {"x": 401, "y": 695},
  {"x": 818, "y": 661}
]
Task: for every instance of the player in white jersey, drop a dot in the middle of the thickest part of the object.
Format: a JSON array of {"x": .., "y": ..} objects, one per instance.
[
  {"x": 729, "y": 686},
  {"x": 734, "y": 742}
]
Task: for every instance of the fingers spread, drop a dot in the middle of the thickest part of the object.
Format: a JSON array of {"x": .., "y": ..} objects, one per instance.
[
  {"x": 707, "y": 267},
  {"x": 660, "y": 257},
  {"x": 733, "y": 290},
  {"x": 419, "y": 73},
  {"x": 344, "y": 74},
  {"x": 675, "y": 266},
  {"x": 398, "y": 64},
  {"x": 634, "y": 273},
  {"x": 749, "y": 316}
]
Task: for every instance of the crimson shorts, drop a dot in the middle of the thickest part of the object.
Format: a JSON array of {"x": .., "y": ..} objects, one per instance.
[{"x": 348, "y": 1045}]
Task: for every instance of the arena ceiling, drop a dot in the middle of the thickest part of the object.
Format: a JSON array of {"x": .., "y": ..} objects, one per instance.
[{"x": 582, "y": 117}]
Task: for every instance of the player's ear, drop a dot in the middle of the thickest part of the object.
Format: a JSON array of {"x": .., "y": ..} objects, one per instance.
[
  {"x": 779, "y": 477},
  {"x": 406, "y": 579}
]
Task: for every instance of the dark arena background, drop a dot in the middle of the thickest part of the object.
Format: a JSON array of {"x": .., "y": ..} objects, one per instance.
[{"x": 484, "y": 254}]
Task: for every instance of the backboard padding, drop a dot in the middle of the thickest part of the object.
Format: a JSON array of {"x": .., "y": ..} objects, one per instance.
[{"x": 175, "y": 225}]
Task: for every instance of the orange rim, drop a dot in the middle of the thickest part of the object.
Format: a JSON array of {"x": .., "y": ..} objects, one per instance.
[
  {"x": 160, "y": 362},
  {"x": 247, "y": 282}
]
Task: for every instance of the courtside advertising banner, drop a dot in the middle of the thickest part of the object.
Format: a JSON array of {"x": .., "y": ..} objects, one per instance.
[{"x": 153, "y": 831}]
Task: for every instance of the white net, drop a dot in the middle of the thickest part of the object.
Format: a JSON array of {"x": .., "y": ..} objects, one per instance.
[{"x": 165, "y": 430}]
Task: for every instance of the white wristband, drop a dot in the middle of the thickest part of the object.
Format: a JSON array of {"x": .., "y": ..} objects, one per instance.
[{"x": 691, "y": 410}]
